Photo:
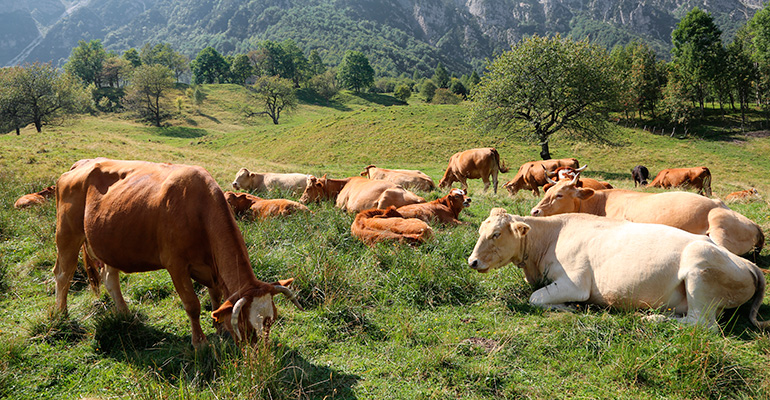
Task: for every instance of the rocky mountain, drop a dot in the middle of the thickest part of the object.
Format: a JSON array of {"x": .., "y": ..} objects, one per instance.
[{"x": 399, "y": 36}]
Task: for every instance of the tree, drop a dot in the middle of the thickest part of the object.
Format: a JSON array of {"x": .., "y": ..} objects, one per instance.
[
  {"x": 114, "y": 70},
  {"x": 13, "y": 112},
  {"x": 275, "y": 95},
  {"x": 445, "y": 96},
  {"x": 296, "y": 65},
  {"x": 456, "y": 86},
  {"x": 697, "y": 50},
  {"x": 86, "y": 61},
  {"x": 146, "y": 95},
  {"x": 164, "y": 54},
  {"x": 317, "y": 66},
  {"x": 209, "y": 67},
  {"x": 743, "y": 72},
  {"x": 403, "y": 92},
  {"x": 759, "y": 28},
  {"x": 241, "y": 69},
  {"x": 428, "y": 90},
  {"x": 441, "y": 77},
  {"x": 550, "y": 84},
  {"x": 47, "y": 93},
  {"x": 325, "y": 84},
  {"x": 132, "y": 56},
  {"x": 355, "y": 72}
]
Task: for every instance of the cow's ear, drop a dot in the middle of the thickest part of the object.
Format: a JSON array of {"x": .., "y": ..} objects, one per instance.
[
  {"x": 585, "y": 193},
  {"x": 220, "y": 313},
  {"x": 497, "y": 211},
  {"x": 519, "y": 228}
]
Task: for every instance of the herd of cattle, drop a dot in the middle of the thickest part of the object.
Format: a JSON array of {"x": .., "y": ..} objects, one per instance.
[{"x": 675, "y": 250}]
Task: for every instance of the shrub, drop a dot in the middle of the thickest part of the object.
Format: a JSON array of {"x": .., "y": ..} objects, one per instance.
[{"x": 444, "y": 96}]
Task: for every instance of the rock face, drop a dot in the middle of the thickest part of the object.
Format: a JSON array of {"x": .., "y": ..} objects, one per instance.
[{"x": 462, "y": 32}]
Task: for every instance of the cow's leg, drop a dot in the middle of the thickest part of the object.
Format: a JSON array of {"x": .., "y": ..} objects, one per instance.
[
  {"x": 494, "y": 181},
  {"x": 68, "y": 247},
  {"x": 560, "y": 291},
  {"x": 111, "y": 278},
  {"x": 485, "y": 179},
  {"x": 463, "y": 183},
  {"x": 180, "y": 276}
]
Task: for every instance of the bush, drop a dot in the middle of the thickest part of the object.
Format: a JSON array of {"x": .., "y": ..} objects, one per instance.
[
  {"x": 444, "y": 96},
  {"x": 403, "y": 92},
  {"x": 325, "y": 84},
  {"x": 428, "y": 89}
]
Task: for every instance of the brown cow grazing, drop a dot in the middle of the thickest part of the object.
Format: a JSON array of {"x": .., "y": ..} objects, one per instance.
[
  {"x": 742, "y": 195},
  {"x": 322, "y": 188},
  {"x": 473, "y": 164},
  {"x": 408, "y": 178},
  {"x": 376, "y": 225},
  {"x": 532, "y": 174},
  {"x": 34, "y": 199},
  {"x": 137, "y": 216},
  {"x": 684, "y": 210},
  {"x": 259, "y": 208},
  {"x": 445, "y": 210},
  {"x": 569, "y": 173},
  {"x": 697, "y": 177}
]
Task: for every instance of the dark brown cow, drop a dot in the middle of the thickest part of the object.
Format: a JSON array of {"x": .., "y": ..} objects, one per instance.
[
  {"x": 137, "y": 216},
  {"x": 376, "y": 225},
  {"x": 697, "y": 177},
  {"x": 33, "y": 199},
  {"x": 569, "y": 173},
  {"x": 445, "y": 210},
  {"x": 532, "y": 174},
  {"x": 684, "y": 210},
  {"x": 473, "y": 164},
  {"x": 259, "y": 208},
  {"x": 742, "y": 195},
  {"x": 640, "y": 173}
]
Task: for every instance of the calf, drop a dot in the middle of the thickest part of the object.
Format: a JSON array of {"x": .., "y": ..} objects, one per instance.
[
  {"x": 375, "y": 225},
  {"x": 33, "y": 199},
  {"x": 445, "y": 210},
  {"x": 742, "y": 195},
  {"x": 260, "y": 208},
  {"x": 640, "y": 175}
]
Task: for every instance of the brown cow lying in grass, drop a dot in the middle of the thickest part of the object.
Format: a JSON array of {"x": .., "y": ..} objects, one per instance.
[
  {"x": 258, "y": 208},
  {"x": 743, "y": 195},
  {"x": 376, "y": 225},
  {"x": 33, "y": 199},
  {"x": 445, "y": 210}
]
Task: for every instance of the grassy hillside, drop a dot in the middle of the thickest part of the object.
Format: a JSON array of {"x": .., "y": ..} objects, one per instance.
[{"x": 390, "y": 321}]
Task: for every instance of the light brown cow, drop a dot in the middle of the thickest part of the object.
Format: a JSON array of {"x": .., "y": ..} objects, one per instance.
[
  {"x": 445, "y": 210},
  {"x": 263, "y": 182},
  {"x": 569, "y": 173},
  {"x": 609, "y": 262},
  {"x": 683, "y": 210},
  {"x": 473, "y": 164},
  {"x": 259, "y": 208},
  {"x": 376, "y": 225},
  {"x": 323, "y": 188},
  {"x": 137, "y": 216},
  {"x": 532, "y": 174},
  {"x": 408, "y": 178},
  {"x": 362, "y": 194},
  {"x": 742, "y": 195},
  {"x": 33, "y": 199},
  {"x": 697, "y": 178}
]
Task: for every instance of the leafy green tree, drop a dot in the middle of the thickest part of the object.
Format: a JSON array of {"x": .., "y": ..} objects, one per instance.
[
  {"x": 271, "y": 59},
  {"x": 147, "y": 94},
  {"x": 86, "y": 61},
  {"x": 697, "y": 51},
  {"x": 428, "y": 90},
  {"x": 275, "y": 95},
  {"x": 13, "y": 112},
  {"x": 132, "y": 56},
  {"x": 402, "y": 92},
  {"x": 648, "y": 75},
  {"x": 317, "y": 66},
  {"x": 474, "y": 79},
  {"x": 197, "y": 96},
  {"x": 355, "y": 72},
  {"x": 241, "y": 69},
  {"x": 441, "y": 77},
  {"x": 164, "y": 54},
  {"x": 325, "y": 84},
  {"x": 742, "y": 71},
  {"x": 296, "y": 66},
  {"x": 445, "y": 96},
  {"x": 550, "y": 84},
  {"x": 209, "y": 67},
  {"x": 759, "y": 28},
  {"x": 456, "y": 87},
  {"x": 114, "y": 70},
  {"x": 47, "y": 94},
  {"x": 676, "y": 97}
]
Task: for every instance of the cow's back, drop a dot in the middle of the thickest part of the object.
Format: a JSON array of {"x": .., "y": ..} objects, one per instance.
[
  {"x": 475, "y": 163},
  {"x": 292, "y": 182},
  {"x": 683, "y": 210},
  {"x": 361, "y": 194}
]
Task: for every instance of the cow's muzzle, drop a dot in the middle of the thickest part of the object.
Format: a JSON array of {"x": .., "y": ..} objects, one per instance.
[
  {"x": 536, "y": 212},
  {"x": 235, "y": 186},
  {"x": 475, "y": 264}
]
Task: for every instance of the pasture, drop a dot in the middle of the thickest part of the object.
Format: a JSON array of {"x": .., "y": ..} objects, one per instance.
[{"x": 385, "y": 322}]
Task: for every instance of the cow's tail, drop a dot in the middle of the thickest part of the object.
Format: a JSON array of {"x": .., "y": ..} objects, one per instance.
[
  {"x": 92, "y": 268},
  {"x": 707, "y": 183},
  {"x": 500, "y": 164},
  {"x": 759, "y": 295}
]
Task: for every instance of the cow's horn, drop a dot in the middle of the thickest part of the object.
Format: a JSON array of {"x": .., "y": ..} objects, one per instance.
[
  {"x": 547, "y": 178},
  {"x": 289, "y": 295},
  {"x": 575, "y": 179},
  {"x": 581, "y": 168},
  {"x": 548, "y": 174},
  {"x": 234, "y": 318}
]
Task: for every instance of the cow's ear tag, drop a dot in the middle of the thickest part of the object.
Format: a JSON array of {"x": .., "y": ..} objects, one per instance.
[{"x": 520, "y": 228}]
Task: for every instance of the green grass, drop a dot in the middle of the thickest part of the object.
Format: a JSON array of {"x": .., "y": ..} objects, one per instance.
[{"x": 384, "y": 322}]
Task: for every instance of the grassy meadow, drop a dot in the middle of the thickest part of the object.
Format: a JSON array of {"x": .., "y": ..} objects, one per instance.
[{"x": 385, "y": 322}]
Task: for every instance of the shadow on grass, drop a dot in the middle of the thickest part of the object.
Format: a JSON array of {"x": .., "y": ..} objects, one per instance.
[
  {"x": 380, "y": 99},
  {"x": 310, "y": 97},
  {"x": 179, "y": 132}
]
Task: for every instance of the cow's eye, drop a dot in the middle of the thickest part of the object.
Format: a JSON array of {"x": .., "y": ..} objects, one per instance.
[
  {"x": 558, "y": 196},
  {"x": 495, "y": 235}
]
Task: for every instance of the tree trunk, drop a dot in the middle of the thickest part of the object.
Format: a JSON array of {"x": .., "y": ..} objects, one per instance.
[
  {"x": 38, "y": 125},
  {"x": 545, "y": 154},
  {"x": 18, "y": 131}
]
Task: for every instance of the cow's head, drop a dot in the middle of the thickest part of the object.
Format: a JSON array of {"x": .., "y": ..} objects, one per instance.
[
  {"x": 315, "y": 189},
  {"x": 250, "y": 317},
  {"x": 365, "y": 172},
  {"x": 239, "y": 202},
  {"x": 501, "y": 241},
  {"x": 51, "y": 191},
  {"x": 458, "y": 200},
  {"x": 563, "y": 197},
  {"x": 241, "y": 178},
  {"x": 514, "y": 185}
]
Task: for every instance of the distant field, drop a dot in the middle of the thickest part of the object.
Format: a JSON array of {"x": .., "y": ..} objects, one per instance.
[{"x": 390, "y": 321}]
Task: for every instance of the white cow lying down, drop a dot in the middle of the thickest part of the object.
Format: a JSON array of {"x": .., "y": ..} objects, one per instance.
[
  {"x": 620, "y": 264},
  {"x": 263, "y": 182}
]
